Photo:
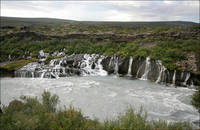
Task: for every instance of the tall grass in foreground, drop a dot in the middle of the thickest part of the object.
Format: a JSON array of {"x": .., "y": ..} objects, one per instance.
[{"x": 29, "y": 113}]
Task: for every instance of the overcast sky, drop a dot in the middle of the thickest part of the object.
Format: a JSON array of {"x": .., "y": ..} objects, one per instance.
[{"x": 105, "y": 10}]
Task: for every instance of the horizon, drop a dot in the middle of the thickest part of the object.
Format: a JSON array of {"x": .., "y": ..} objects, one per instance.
[
  {"x": 91, "y": 21},
  {"x": 104, "y": 11}
]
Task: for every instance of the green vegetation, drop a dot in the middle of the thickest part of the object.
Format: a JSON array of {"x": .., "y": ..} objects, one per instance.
[
  {"x": 174, "y": 42},
  {"x": 171, "y": 51},
  {"x": 29, "y": 113},
  {"x": 196, "y": 99},
  {"x": 62, "y": 27},
  {"x": 17, "y": 47},
  {"x": 15, "y": 65},
  {"x": 168, "y": 50}
]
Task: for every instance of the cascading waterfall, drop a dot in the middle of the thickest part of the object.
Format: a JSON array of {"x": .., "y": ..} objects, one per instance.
[
  {"x": 130, "y": 66},
  {"x": 91, "y": 67},
  {"x": 100, "y": 67},
  {"x": 57, "y": 68},
  {"x": 174, "y": 78},
  {"x": 52, "y": 62},
  {"x": 116, "y": 65},
  {"x": 86, "y": 64},
  {"x": 192, "y": 84},
  {"x": 138, "y": 71},
  {"x": 147, "y": 69},
  {"x": 111, "y": 60},
  {"x": 161, "y": 70},
  {"x": 186, "y": 79},
  {"x": 43, "y": 73},
  {"x": 32, "y": 73},
  {"x": 91, "y": 64}
]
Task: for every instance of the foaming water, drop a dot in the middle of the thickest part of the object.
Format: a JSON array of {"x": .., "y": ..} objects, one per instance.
[{"x": 105, "y": 97}]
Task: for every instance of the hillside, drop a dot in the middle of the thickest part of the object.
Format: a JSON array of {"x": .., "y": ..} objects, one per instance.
[
  {"x": 14, "y": 21},
  {"x": 62, "y": 27},
  {"x": 175, "y": 43}
]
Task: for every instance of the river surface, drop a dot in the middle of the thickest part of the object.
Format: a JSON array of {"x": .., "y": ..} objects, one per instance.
[{"x": 106, "y": 96}]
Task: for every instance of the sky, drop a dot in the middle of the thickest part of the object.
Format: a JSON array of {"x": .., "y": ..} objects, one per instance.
[{"x": 104, "y": 10}]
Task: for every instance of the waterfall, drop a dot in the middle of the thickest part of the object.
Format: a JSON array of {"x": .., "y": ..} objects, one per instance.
[
  {"x": 43, "y": 73},
  {"x": 110, "y": 63},
  {"x": 192, "y": 84},
  {"x": 161, "y": 70},
  {"x": 130, "y": 66},
  {"x": 86, "y": 64},
  {"x": 100, "y": 67},
  {"x": 116, "y": 65},
  {"x": 186, "y": 79},
  {"x": 138, "y": 71},
  {"x": 52, "y": 62},
  {"x": 32, "y": 73},
  {"x": 174, "y": 78},
  {"x": 147, "y": 69},
  {"x": 91, "y": 65}
]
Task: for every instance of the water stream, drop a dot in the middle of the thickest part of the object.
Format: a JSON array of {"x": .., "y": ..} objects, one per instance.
[{"x": 105, "y": 97}]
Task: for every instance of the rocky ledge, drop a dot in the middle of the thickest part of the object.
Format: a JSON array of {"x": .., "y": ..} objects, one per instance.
[{"x": 94, "y": 64}]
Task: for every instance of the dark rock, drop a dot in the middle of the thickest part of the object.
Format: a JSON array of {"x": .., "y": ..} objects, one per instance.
[
  {"x": 138, "y": 66},
  {"x": 123, "y": 65},
  {"x": 105, "y": 63},
  {"x": 154, "y": 72},
  {"x": 93, "y": 65}
]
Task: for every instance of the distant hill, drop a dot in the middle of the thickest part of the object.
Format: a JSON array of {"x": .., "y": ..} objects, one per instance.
[{"x": 15, "y": 21}]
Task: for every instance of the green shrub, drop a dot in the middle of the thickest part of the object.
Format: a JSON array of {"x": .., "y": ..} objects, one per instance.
[
  {"x": 130, "y": 120},
  {"x": 196, "y": 99},
  {"x": 49, "y": 101}
]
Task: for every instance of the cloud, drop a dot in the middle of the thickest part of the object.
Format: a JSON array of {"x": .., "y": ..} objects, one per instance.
[{"x": 104, "y": 10}]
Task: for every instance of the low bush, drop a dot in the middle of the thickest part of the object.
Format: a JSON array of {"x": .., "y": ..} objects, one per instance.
[{"x": 196, "y": 99}]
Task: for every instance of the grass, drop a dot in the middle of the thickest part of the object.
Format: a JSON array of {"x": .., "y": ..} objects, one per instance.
[
  {"x": 15, "y": 65},
  {"x": 30, "y": 113}
]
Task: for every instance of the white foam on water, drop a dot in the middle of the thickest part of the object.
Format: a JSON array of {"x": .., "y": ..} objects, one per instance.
[
  {"x": 112, "y": 94},
  {"x": 88, "y": 84},
  {"x": 107, "y": 94}
]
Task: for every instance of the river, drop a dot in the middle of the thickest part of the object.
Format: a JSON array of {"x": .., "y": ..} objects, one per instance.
[{"x": 106, "y": 96}]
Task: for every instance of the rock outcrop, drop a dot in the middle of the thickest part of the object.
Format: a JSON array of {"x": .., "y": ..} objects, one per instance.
[{"x": 94, "y": 64}]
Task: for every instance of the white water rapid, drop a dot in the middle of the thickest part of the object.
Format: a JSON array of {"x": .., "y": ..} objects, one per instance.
[{"x": 105, "y": 97}]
